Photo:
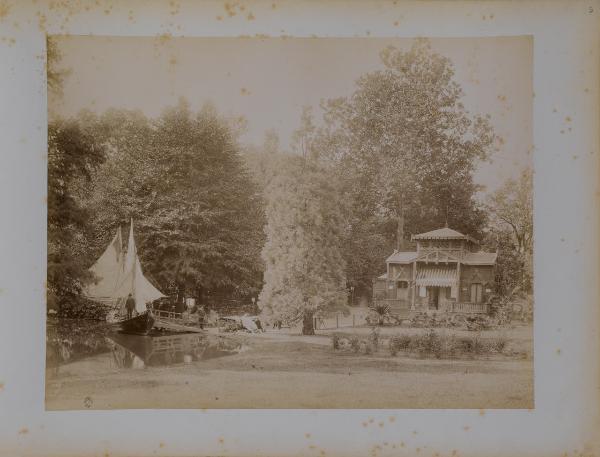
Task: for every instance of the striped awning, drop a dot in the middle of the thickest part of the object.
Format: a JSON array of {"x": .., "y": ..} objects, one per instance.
[{"x": 437, "y": 276}]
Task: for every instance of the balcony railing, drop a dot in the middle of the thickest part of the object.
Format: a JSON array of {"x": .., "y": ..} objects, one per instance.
[
  {"x": 471, "y": 308},
  {"x": 397, "y": 305}
]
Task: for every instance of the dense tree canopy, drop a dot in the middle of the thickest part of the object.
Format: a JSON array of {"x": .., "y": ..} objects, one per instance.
[
  {"x": 199, "y": 220},
  {"x": 198, "y": 214},
  {"x": 404, "y": 143},
  {"x": 73, "y": 155},
  {"x": 325, "y": 217},
  {"x": 511, "y": 228},
  {"x": 511, "y": 207}
]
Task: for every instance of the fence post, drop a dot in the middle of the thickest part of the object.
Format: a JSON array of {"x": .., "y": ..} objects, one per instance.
[
  {"x": 337, "y": 321},
  {"x": 315, "y": 323},
  {"x": 353, "y": 320}
]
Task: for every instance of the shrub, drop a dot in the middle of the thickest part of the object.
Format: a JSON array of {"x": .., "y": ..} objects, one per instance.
[
  {"x": 428, "y": 343},
  {"x": 335, "y": 341},
  {"x": 399, "y": 343},
  {"x": 472, "y": 344},
  {"x": 498, "y": 344},
  {"x": 449, "y": 345},
  {"x": 367, "y": 347},
  {"x": 374, "y": 338},
  {"x": 355, "y": 343},
  {"x": 82, "y": 308},
  {"x": 441, "y": 345}
]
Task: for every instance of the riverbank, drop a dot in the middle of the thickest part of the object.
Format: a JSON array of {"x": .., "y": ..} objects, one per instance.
[{"x": 277, "y": 371}]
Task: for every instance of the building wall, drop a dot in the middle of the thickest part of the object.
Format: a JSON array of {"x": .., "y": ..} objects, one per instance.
[
  {"x": 379, "y": 288},
  {"x": 422, "y": 303},
  {"x": 470, "y": 274},
  {"x": 404, "y": 272}
]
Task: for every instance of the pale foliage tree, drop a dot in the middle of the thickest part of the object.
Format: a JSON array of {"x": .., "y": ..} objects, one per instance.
[
  {"x": 304, "y": 266},
  {"x": 511, "y": 206},
  {"x": 271, "y": 142}
]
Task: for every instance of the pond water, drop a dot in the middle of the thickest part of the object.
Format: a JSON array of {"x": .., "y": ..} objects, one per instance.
[{"x": 95, "y": 344}]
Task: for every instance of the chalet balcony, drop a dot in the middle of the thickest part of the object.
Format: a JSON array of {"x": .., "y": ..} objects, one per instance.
[
  {"x": 468, "y": 308},
  {"x": 401, "y": 305}
]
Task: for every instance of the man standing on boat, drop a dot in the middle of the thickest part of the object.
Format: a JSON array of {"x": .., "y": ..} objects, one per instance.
[{"x": 130, "y": 306}]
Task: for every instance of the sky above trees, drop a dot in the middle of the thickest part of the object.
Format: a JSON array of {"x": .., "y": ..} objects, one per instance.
[{"x": 269, "y": 81}]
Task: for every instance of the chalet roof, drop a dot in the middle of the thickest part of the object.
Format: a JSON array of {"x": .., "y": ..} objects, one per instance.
[
  {"x": 402, "y": 257},
  {"x": 480, "y": 258},
  {"x": 445, "y": 233},
  {"x": 470, "y": 258}
]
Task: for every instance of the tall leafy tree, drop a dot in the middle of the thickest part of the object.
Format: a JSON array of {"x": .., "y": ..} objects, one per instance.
[
  {"x": 511, "y": 209},
  {"x": 73, "y": 154},
  {"x": 271, "y": 142},
  {"x": 403, "y": 143},
  {"x": 198, "y": 213},
  {"x": 302, "y": 136},
  {"x": 304, "y": 266}
]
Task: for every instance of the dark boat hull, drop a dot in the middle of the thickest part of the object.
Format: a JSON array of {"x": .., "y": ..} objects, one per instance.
[{"x": 138, "y": 325}]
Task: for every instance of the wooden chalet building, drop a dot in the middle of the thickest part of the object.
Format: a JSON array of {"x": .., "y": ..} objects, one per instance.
[{"x": 447, "y": 273}]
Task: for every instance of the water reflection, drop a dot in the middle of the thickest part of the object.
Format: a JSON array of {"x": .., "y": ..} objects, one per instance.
[
  {"x": 85, "y": 346},
  {"x": 132, "y": 351},
  {"x": 71, "y": 340}
]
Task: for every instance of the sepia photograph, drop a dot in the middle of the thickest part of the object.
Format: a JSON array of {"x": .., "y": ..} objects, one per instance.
[{"x": 299, "y": 223}]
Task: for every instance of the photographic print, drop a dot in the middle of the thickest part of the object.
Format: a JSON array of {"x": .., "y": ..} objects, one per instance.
[{"x": 289, "y": 223}]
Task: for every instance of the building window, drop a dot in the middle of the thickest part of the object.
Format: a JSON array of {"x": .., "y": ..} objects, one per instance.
[
  {"x": 476, "y": 292},
  {"x": 402, "y": 284}
]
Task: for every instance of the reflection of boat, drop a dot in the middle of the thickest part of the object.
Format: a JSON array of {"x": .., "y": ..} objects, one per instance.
[
  {"x": 124, "y": 358},
  {"x": 171, "y": 349},
  {"x": 119, "y": 274}
]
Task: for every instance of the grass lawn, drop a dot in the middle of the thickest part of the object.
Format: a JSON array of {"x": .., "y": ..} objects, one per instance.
[{"x": 279, "y": 370}]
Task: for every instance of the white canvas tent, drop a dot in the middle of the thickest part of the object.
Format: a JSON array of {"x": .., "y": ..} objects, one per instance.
[{"x": 120, "y": 274}]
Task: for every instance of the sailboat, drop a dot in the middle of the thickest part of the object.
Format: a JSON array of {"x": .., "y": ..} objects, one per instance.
[{"x": 119, "y": 274}]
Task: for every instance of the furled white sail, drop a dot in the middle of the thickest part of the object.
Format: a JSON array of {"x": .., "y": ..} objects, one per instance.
[
  {"x": 127, "y": 276},
  {"x": 129, "y": 261},
  {"x": 107, "y": 270}
]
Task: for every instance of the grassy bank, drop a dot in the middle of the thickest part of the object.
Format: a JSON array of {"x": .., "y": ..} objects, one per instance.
[{"x": 280, "y": 374}]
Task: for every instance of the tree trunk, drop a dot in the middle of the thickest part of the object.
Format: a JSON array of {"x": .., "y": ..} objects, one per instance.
[{"x": 308, "y": 327}]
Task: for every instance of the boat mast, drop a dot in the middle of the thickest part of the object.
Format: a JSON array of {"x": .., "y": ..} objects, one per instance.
[{"x": 134, "y": 263}]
